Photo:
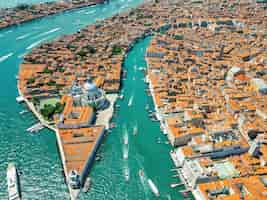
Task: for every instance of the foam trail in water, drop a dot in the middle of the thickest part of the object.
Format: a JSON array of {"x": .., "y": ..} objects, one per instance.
[
  {"x": 21, "y": 55},
  {"x": 36, "y": 43},
  {"x": 48, "y": 32},
  {"x": 23, "y": 36},
  {"x": 3, "y": 58},
  {"x": 90, "y": 12}
]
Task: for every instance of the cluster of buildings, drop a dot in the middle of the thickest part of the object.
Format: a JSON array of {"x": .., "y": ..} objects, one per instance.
[
  {"x": 208, "y": 79},
  {"x": 24, "y": 12},
  {"x": 207, "y": 75}
]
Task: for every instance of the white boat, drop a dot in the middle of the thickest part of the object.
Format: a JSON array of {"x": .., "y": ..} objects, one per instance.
[
  {"x": 23, "y": 112},
  {"x": 135, "y": 130},
  {"x": 87, "y": 185},
  {"x": 126, "y": 139},
  {"x": 126, "y": 174},
  {"x": 130, "y": 101},
  {"x": 13, "y": 182},
  {"x": 20, "y": 99},
  {"x": 153, "y": 187},
  {"x": 121, "y": 96}
]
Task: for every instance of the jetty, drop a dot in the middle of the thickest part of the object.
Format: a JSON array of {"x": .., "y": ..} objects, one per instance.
[{"x": 35, "y": 128}]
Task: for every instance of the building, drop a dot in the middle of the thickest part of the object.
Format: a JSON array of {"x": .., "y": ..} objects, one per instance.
[{"x": 89, "y": 94}]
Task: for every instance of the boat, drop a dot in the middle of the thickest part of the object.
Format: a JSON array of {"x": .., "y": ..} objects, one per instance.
[
  {"x": 23, "y": 112},
  {"x": 20, "y": 99},
  {"x": 87, "y": 185},
  {"x": 112, "y": 125},
  {"x": 153, "y": 188},
  {"x": 130, "y": 101},
  {"x": 121, "y": 96},
  {"x": 13, "y": 182},
  {"x": 126, "y": 139},
  {"x": 125, "y": 153},
  {"x": 141, "y": 173},
  {"x": 135, "y": 130},
  {"x": 173, "y": 185},
  {"x": 126, "y": 174}
]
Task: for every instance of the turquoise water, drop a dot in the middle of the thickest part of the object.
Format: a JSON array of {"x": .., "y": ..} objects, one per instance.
[
  {"x": 13, "y": 3},
  {"x": 37, "y": 157}
]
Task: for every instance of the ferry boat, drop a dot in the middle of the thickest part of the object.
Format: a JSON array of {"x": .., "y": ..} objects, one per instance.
[
  {"x": 13, "y": 182},
  {"x": 153, "y": 188}
]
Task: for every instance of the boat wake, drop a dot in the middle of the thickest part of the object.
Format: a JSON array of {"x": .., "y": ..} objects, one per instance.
[
  {"x": 90, "y": 12},
  {"x": 23, "y": 36},
  {"x": 125, "y": 137},
  {"x": 21, "y": 55},
  {"x": 48, "y": 32},
  {"x": 143, "y": 180},
  {"x": 125, "y": 152},
  {"x": 36, "y": 43},
  {"x": 3, "y": 58}
]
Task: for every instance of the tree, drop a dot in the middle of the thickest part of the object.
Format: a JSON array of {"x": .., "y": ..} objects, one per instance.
[
  {"x": 90, "y": 49},
  {"x": 48, "y": 111},
  {"x": 116, "y": 50}
]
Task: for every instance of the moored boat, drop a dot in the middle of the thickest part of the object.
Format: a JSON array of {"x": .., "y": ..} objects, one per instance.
[
  {"x": 13, "y": 182},
  {"x": 87, "y": 184}
]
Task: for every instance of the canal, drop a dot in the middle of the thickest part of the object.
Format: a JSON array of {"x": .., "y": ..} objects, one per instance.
[{"x": 116, "y": 175}]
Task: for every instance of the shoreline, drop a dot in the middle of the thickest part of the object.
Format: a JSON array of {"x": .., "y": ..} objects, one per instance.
[
  {"x": 23, "y": 21},
  {"x": 160, "y": 118},
  {"x": 102, "y": 120}
]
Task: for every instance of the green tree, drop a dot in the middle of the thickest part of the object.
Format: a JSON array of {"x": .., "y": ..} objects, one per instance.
[{"x": 116, "y": 50}]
